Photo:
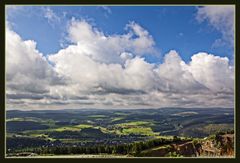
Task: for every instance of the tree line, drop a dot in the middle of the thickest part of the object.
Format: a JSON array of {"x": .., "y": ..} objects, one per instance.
[{"x": 124, "y": 149}]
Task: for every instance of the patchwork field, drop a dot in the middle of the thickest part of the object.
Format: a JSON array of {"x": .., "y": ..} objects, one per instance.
[{"x": 33, "y": 131}]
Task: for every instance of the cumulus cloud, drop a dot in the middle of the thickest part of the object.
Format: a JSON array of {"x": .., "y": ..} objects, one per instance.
[
  {"x": 27, "y": 70},
  {"x": 213, "y": 71},
  {"x": 108, "y": 49},
  {"x": 109, "y": 71},
  {"x": 176, "y": 76},
  {"x": 221, "y": 18}
]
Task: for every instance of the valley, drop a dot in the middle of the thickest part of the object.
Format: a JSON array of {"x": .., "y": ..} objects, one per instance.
[{"x": 120, "y": 133}]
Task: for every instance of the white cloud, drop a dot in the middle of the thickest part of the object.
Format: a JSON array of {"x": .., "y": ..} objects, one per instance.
[
  {"x": 33, "y": 11},
  {"x": 175, "y": 75},
  {"x": 51, "y": 16},
  {"x": 221, "y": 17},
  {"x": 13, "y": 9},
  {"x": 171, "y": 83},
  {"x": 27, "y": 70},
  {"x": 108, "y": 49},
  {"x": 213, "y": 71},
  {"x": 100, "y": 71},
  {"x": 92, "y": 76},
  {"x": 107, "y": 9}
]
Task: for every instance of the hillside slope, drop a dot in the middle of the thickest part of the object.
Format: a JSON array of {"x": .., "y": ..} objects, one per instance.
[{"x": 220, "y": 145}]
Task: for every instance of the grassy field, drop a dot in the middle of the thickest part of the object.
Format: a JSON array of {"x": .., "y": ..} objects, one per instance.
[
  {"x": 73, "y": 128},
  {"x": 139, "y": 130}
]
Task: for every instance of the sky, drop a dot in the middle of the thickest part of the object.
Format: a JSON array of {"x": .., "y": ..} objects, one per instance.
[{"x": 60, "y": 57}]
